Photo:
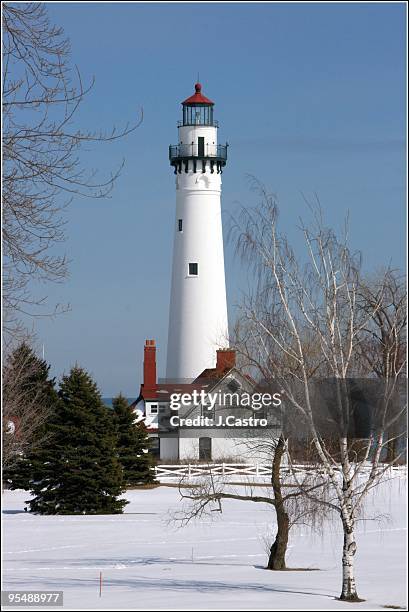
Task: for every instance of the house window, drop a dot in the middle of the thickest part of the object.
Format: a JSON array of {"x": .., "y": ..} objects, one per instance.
[
  {"x": 205, "y": 411},
  {"x": 155, "y": 447},
  {"x": 154, "y": 408},
  {"x": 193, "y": 269},
  {"x": 233, "y": 386},
  {"x": 205, "y": 449},
  {"x": 180, "y": 225}
]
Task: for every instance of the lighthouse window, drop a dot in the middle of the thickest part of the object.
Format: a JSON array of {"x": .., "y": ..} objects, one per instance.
[
  {"x": 180, "y": 225},
  {"x": 201, "y": 146},
  {"x": 193, "y": 269}
]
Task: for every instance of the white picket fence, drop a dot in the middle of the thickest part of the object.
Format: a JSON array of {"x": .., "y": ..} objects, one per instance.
[
  {"x": 255, "y": 470},
  {"x": 191, "y": 470}
]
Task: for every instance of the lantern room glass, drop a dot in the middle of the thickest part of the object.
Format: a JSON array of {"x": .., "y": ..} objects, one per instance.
[{"x": 198, "y": 114}]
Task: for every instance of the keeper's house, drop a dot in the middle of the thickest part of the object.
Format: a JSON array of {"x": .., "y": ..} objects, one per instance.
[{"x": 199, "y": 443}]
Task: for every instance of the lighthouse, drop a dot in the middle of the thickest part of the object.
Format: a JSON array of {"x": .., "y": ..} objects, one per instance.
[{"x": 198, "y": 324}]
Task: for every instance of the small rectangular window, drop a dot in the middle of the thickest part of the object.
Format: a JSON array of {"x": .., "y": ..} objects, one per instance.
[
  {"x": 193, "y": 269},
  {"x": 154, "y": 408},
  {"x": 180, "y": 225},
  {"x": 200, "y": 146}
]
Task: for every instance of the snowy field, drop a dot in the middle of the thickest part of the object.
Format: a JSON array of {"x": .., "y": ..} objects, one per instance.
[{"x": 216, "y": 563}]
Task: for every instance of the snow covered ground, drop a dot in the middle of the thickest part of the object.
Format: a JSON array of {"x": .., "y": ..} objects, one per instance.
[{"x": 216, "y": 563}]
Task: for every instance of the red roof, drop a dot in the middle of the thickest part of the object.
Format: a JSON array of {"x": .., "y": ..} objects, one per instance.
[
  {"x": 163, "y": 391},
  {"x": 198, "y": 97}
]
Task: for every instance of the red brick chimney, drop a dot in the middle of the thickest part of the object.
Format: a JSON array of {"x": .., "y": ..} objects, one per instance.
[
  {"x": 149, "y": 369},
  {"x": 226, "y": 359}
]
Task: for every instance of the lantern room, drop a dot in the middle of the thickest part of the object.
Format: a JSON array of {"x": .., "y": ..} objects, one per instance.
[
  {"x": 198, "y": 110},
  {"x": 197, "y": 148}
]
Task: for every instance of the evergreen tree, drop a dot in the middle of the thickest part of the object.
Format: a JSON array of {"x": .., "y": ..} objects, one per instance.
[
  {"x": 133, "y": 445},
  {"x": 80, "y": 472},
  {"x": 29, "y": 400}
]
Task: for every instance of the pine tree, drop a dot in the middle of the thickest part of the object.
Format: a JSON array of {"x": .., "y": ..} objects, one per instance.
[
  {"x": 80, "y": 471},
  {"x": 133, "y": 445},
  {"x": 30, "y": 397}
]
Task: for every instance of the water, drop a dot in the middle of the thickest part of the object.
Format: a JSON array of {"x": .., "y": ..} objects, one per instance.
[{"x": 108, "y": 400}]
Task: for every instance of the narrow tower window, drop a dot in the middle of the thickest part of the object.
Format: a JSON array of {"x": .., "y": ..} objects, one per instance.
[
  {"x": 180, "y": 225},
  {"x": 200, "y": 146},
  {"x": 193, "y": 269}
]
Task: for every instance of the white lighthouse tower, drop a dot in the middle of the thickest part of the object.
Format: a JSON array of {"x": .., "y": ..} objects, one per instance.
[{"x": 198, "y": 309}]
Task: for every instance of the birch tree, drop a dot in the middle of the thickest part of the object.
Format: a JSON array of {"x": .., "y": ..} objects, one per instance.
[{"x": 316, "y": 297}]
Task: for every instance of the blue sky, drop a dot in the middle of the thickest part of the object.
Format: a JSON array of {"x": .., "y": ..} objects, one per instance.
[{"x": 310, "y": 97}]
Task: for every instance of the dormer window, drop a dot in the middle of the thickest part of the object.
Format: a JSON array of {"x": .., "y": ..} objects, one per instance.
[{"x": 233, "y": 386}]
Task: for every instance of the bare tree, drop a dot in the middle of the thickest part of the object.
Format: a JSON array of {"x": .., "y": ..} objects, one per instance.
[
  {"x": 318, "y": 301},
  {"x": 41, "y": 145},
  {"x": 28, "y": 397},
  {"x": 383, "y": 348},
  {"x": 290, "y": 504}
]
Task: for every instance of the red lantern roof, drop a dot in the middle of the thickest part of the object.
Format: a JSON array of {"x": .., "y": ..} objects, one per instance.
[{"x": 198, "y": 97}]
